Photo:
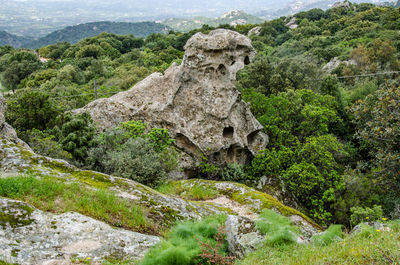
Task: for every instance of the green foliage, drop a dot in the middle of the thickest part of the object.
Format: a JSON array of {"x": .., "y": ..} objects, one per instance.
[
  {"x": 128, "y": 151},
  {"x": 137, "y": 160},
  {"x": 234, "y": 172},
  {"x": 278, "y": 229},
  {"x": 45, "y": 144},
  {"x": 31, "y": 109},
  {"x": 182, "y": 244},
  {"x": 332, "y": 234},
  {"x": 360, "y": 214},
  {"x": 76, "y": 135}
]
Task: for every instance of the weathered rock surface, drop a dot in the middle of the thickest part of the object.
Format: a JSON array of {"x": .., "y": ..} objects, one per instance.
[
  {"x": 16, "y": 159},
  {"x": 253, "y": 200},
  {"x": 242, "y": 235},
  {"x": 335, "y": 62},
  {"x": 291, "y": 22},
  {"x": 344, "y": 4},
  {"x": 254, "y": 31},
  {"x": 196, "y": 101},
  {"x": 30, "y": 236}
]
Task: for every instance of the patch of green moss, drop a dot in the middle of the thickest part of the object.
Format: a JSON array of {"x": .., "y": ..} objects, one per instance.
[
  {"x": 15, "y": 215},
  {"x": 14, "y": 252},
  {"x": 244, "y": 195},
  {"x": 94, "y": 179}
]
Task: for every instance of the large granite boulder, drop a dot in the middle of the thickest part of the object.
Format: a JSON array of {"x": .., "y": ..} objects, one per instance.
[
  {"x": 30, "y": 236},
  {"x": 196, "y": 101}
]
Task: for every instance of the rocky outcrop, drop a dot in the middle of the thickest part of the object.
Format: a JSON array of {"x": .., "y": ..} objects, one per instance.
[
  {"x": 242, "y": 236},
  {"x": 254, "y": 31},
  {"x": 196, "y": 101},
  {"x": 344, "y": 4},
  {"x": 30, "y": 236},
  {"x": 291, "y": 22},
  {"x": 335, "y": 62}
]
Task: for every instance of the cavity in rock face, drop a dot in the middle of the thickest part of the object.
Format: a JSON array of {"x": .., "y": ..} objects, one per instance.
[{"x": 196, "y": 101}]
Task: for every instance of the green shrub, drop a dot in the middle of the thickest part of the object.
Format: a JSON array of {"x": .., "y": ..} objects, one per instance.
[
  {"x": 76, "y": 135},
  {"x": 183, "y": 246},
  {"x": 278, "y": 228},
  {"x": 137, "y": 160},
  {"x": 45, "y": 144},
  {"x": 360, "y": 214},
  {"x": 332, "y": 234},
  {"x": 234, "y": 172},
  {"x": 128, "y": 151}
]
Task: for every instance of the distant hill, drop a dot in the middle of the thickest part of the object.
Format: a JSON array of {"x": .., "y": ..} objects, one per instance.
[
  {"x": 74, "y": 34},
  {"x": 13, "y": 40},
  {"x": 233, "y": 18}
]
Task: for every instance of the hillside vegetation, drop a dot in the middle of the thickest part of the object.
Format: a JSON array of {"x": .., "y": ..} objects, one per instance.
[
  {"x": 231, "y": 18},
  {"x": 326, "y": 92}
]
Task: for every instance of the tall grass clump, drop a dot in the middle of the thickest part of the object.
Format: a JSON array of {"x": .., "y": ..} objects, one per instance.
[
  {"x": 332, "y": 234},
  {"x": 278, "y": 229},
  {"x": 183, "y": 245}
]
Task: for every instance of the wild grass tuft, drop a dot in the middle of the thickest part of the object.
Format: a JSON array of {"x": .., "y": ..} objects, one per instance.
[
  {"x": 332, "y": 234},
  {"x": 182, "y": 244},
  {"x": 50, "y": 194},
  {"x": 278, "y": 229}
]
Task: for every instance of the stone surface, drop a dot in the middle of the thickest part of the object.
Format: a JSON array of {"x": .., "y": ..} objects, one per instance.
[
  {"x": 196, "y": 101},
  {"x": 166, "y": 210},
  {"x": 335, "y": 62},
  {"x": 254, "y": 31},
  {"x": 242, "y": 235},
  {"x": 31, "y": 236},
  {"x": 249, "y": 202},
  {"x": 291, "y": 22},
  {"x": 344, "y": 4}
]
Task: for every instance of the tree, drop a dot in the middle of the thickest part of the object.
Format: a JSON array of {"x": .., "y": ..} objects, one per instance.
[{"x": 31, "y": 109}]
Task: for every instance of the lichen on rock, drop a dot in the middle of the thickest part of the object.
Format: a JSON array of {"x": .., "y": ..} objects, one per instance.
[
  {"x": 30, "y": 236},
  {"x": 196, "y": 101}
]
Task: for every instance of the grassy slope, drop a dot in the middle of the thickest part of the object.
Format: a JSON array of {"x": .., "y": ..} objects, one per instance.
[{"x": 375, "y": 247}]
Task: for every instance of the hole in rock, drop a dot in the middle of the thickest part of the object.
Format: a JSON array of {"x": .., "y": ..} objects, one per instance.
[
  {"x": 246, "y": 60},
  {"x": 228, "y": 132},
  {"x": 222, "y": 69},
  {"x": 251, "y": 137}
]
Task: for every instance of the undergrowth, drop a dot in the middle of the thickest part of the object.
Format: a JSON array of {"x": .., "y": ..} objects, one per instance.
[
  {"x": 278, "y": 229},
  {"x": 368, "y": 246},
  {"x": 49, "y": 194},
  {"x": 191, "y": 242}
]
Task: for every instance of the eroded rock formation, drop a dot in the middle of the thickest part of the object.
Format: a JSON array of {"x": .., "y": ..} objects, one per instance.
[{"x": 196, "y": 101}]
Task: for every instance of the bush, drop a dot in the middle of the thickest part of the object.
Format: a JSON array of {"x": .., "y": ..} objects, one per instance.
[
  {"x": 360, "y": 214},
  {"x": 45, "y": 144},
  {"x": 234, "y": 172},
  {"x": 128, "y": 151},
  {"x": 137, "y": 160}
]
